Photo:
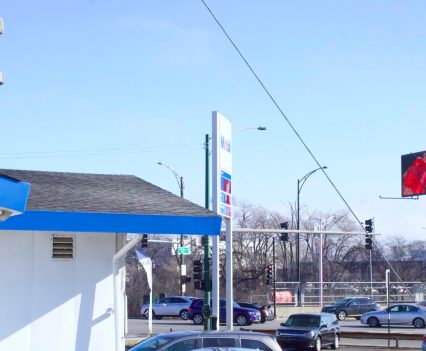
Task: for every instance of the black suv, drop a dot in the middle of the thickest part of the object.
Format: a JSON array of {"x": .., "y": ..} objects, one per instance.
[
  {"x": 309, "y": 331},
  {"x": 351, "y": 307}
]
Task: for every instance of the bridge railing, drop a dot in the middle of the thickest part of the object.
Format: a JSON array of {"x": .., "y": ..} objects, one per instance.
[{"x": 310, "y": 292}]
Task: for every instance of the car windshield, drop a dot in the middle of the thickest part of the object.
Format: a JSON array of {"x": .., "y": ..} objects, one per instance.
[
  {"x": 152, "y": 343},
  {"x": 303, "y": 321},
  {"x": 343, "y": 301}
]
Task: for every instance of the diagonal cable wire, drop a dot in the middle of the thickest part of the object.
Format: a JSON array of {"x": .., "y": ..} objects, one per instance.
[
  {"x": 297, "y": 133},
  {"x": 93, "y": 152}
]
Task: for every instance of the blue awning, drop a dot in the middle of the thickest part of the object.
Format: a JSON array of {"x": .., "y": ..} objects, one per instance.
[
  {"x": 79, "y": 202},
  {"x": 113, "y": 223}
]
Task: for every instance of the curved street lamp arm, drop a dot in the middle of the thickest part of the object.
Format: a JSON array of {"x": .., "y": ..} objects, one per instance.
[
  {"x": 178, "y": 178},
  {"x": 302, "y": 181}
]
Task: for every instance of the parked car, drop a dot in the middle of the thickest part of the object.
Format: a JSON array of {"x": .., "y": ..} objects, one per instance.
[
  {"x": 266, "y": 313},
  {"x": 242, "y": 316},
  {"x": 347, "y": 288},
  {"x": 369, "y": 290},
  {"x": 309, "y": 331},
  {"x": 191, "y": 340},
  {"x": 398, "y": 289},
  {"x": 351, "y": 307},
  {"x": 406, "y": 313},
  {"x": 171, "y": 306}
]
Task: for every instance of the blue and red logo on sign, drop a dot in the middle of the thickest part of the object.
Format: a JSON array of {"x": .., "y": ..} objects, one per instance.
[{"x": 225, "y": 193}]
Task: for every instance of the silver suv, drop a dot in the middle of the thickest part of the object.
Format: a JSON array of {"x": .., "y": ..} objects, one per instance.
[
  {"x": 192, "y": 340},
  {"x": 171, "y": 306}
]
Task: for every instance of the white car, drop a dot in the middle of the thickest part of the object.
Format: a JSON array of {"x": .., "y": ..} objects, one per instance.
[{"x": 171, "y": 306}]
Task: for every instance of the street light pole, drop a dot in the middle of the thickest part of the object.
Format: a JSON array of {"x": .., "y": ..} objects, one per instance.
[
  {"x": 179, "y": 180},
  {"x": 300, "y": 183},
  {"x": 321, "y": 274}
]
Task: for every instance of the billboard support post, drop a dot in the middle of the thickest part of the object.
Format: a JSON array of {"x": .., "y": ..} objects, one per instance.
[{"x": 222, "y": 202}]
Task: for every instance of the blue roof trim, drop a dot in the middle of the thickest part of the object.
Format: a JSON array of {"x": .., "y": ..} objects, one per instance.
[
  {"x": 112, "y": 223},
  {"x": 13, "y": 194}
]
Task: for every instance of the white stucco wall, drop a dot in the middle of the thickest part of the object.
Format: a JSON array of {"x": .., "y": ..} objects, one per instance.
[{"x": 49, "y": 304}]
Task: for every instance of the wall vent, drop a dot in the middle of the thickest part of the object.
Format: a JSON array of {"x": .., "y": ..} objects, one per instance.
[{"x": 63, "y": 247}]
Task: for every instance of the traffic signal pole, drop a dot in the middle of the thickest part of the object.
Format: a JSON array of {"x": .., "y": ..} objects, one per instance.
[
  {"x": 369, "y": 224},
  {"x": 207, "y": 256},
  {"x": 274, "y": 277}
]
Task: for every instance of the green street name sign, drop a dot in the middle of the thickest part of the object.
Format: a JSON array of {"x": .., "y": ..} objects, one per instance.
[{"x": 184, "y": 250}]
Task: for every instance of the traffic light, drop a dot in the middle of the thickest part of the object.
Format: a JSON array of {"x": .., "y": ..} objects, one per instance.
[
  {"x": 284, "y": 236},
  {"x": 368, "y": 242},
  {"x": 205, "y": 240},
  {"x": 184, "y": 279},
  {"x": 198, "y": 275},
  {"x": 369, "y": 225},
  {"x": 268, "y": 270},
  {"x": 144, "y": 241}
]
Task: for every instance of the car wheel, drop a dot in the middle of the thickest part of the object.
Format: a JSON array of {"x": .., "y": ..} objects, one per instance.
[
  {"x": 318, "y": 344},
  {"x": 373, "y": 322},
  {"x": 335, "y": 344},
  {"x": 241, "y": 320},
  {"x": 341, "y": 315},
  {"x": 418, "y": 323},
  {"x": 154, "y": 316},
  {"x": 198, "y": 319},
  {"x": 184, "y": 314}
]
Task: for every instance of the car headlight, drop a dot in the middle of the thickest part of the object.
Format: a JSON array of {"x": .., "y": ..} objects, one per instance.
[{"x": 310, "y": 334}]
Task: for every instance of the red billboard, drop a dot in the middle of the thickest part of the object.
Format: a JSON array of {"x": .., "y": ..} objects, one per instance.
[
  {"x": 413, "y": 174},
  {"x": 283, "y": 296}
]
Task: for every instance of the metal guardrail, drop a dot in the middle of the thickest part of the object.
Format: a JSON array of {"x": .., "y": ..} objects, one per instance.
[{"x": 333, "y": 291}]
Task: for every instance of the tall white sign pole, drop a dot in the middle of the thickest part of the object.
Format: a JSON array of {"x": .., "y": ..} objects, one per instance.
[{"x": 222, "y": 204}]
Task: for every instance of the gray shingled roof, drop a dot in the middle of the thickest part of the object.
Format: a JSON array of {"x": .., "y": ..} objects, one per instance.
[{"x": 101, "y": 193}]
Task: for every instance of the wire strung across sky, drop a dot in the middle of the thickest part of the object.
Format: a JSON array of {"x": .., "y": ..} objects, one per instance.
[
  {"x": 297, "y": 134},
  {"x": 94, "y": 152}
]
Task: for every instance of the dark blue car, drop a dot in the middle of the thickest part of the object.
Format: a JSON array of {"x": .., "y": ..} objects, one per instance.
[{"x": 242, "y": 316}]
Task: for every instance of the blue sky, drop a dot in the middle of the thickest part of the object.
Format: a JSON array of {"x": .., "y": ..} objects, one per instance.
[{"x": 116, "y": 86}]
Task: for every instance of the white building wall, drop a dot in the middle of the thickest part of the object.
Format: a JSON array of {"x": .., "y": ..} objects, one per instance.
[{"x": 50, "y": 304}]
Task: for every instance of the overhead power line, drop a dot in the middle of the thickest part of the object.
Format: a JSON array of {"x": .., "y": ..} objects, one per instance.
[{"x": 93, "y": 152}]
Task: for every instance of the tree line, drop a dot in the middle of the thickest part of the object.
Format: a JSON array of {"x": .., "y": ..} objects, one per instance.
[{"x": 344, "y": 256}]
